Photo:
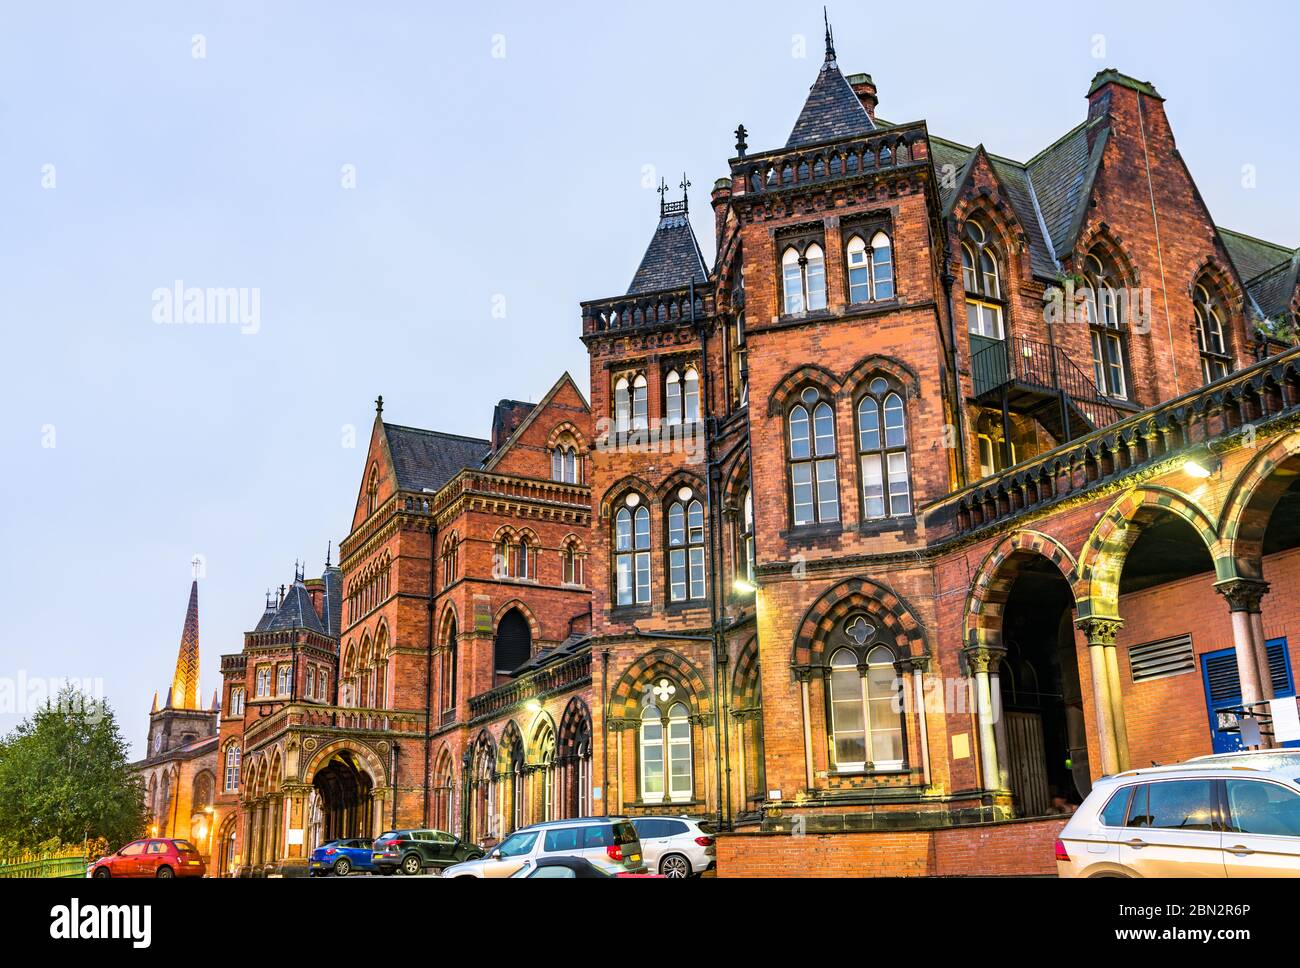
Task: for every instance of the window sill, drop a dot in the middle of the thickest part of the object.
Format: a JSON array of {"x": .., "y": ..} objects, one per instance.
[
  {"x": 686, "y": 606},
  {"x": 871, "y": 526},
  {"x": 627, "y": 612},
  {"x": 812, "y": 531}
]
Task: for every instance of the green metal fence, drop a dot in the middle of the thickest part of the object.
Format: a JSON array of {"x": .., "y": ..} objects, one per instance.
[{"x": 64, "y": 863}]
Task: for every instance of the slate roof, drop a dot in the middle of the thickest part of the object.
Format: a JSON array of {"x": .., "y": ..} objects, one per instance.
[
  {"x": 672, "y": 259},
  {"x": 1252, "y": 256},
  {"x": 427, "y": 459},
  {"x": 333, "y": 600},
  {"x": 296, "y": 612},
  {"x": 1273, "y": 290},
  {"x": 831, "y": 111},
  {"x": 565, "y": 650}
]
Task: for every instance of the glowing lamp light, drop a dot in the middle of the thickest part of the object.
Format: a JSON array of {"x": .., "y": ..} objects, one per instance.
[
  {"x": 744, "y": 586},
  {"x": 1201, "y": 463},
  {"x": 533, "y": 706}
]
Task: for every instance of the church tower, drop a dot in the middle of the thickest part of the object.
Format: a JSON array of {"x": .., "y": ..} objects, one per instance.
[{"x": 182, "y": 719}]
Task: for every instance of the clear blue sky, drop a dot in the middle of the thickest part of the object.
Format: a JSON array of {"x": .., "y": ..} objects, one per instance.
[{"x": 477, "y": 177}]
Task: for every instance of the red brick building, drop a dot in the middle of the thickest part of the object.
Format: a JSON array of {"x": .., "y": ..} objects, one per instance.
[
  {"x": 954, "y": 483},
  {"x": 991, "y": 465}
]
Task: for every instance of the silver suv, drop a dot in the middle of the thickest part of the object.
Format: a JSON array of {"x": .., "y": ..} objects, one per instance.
[
  {"x": 609, "y": 843},
  {"x": 1206, "y": 818},
  {"x": 676, "y": 846}
]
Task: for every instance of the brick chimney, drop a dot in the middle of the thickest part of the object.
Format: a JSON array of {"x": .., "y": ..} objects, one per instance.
[
  {"x": 721, "y": 196},
  {"x": 865, "y": 88}
]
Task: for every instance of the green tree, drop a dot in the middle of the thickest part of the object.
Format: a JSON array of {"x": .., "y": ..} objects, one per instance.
[{"x": 65, "y": 775}]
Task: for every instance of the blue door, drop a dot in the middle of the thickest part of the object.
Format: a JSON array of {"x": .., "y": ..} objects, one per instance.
[{"x": 1223, "y": 690}]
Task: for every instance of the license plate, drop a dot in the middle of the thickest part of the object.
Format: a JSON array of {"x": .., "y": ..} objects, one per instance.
[
  {"x": 635, "y": 858},
  {"x": 195, "y": 863}
]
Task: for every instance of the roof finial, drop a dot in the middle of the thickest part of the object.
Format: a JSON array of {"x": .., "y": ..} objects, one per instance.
[
  {"x": 329, "y": 547},
  {"x": 663, "y": 195},
  {"x": 741, "y": 145},
  {"x": 298, "y": 570},
  {"x": 379, "y": 405},
  {"x": 830, "y": 36},
  {"x": 685, "y": 187}
]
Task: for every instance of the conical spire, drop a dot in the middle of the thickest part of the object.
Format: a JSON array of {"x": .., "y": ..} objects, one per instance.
[
  {"x": 832, "y": 109},
  {"x": 155, "y": 702},
  {"x": 185, "y": 684}
]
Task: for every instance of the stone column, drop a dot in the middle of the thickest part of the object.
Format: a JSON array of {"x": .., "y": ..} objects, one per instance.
[
  {"x": 1112, "y": 732},
  {"x": 1244, "y": 596},
  {"x": 982, "y": 659},
  {"x": 804, "y": 675},
  {"x": 919, "y": 665}
]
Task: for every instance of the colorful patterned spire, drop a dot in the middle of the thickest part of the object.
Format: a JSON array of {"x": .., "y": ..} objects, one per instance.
[{"x": 185, "y": 684}]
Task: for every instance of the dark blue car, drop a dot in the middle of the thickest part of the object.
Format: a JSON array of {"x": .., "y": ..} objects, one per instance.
[{"x": 341, "y": 857}]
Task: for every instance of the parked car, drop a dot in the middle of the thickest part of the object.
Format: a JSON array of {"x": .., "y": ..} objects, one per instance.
[
  {"x": 562, "y": 867},
  {"x": 1207, "y": 818},
  {"x": 608, "y": 843},
  {"x": 414, "y": 851},
  {"x": 151, "y": 858},
  {"x": 676, "y": 846},
  {"x": 341, "y": 858}
]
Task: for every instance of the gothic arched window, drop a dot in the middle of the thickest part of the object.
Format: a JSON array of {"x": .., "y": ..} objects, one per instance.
[
  {"x": 803, "y": 276},
  {"x": 1106, "y": 309},
  {"x": 232, "y": 767},
  {"x": 514, "y": 642},
  {"x": 685, "y": 548},
  {"x": 814, "y": 484},
  {"x": 1211, "y": 333},
  {"x": 871, "y": 269},
  {"x": 632, "y": 552},
  {"x": 665, "y": 752},
  {"x": 882, "y": 452},
  {"x": 865, "y": 712},
  {"x": 982, "y": 282}
]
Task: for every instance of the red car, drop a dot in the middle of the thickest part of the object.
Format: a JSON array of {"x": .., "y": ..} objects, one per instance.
[{"x": 151, "y": 858}]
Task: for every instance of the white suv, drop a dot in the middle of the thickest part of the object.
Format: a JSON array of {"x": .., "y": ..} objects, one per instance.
[
  {"x": 676, "y": 846},
  {"x": 1216, "y": 817},
  {"x": 609, "y": 843}
]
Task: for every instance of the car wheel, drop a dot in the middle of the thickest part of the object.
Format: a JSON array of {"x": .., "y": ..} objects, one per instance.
[
  {"x": 474, "y": 856},
  {"x": 103, "y": 873},
  {"x": 411, "y": 864},
  {"x": 342, "y": 867},
  {"x": 674, "y": 865},
  {"x": 165, "y": 873}
]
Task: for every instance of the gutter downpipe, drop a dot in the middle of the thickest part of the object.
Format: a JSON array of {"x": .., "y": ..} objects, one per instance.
[
  {"x": 719, "y": 646},
  {"x": 428, "y": 667}
]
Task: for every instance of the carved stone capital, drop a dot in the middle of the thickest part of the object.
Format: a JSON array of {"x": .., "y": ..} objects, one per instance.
[
  {"x": 803, "y": 673},
  {"x": 983, "y": 658},
  {"x": 1243, "y": 594},
  {"x": 1100, "y": 631}
]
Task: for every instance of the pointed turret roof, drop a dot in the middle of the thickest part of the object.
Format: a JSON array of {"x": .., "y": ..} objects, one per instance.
[
  {"x": 673, "y": 259},
  {"x": 832, "y": 109},
  {"x": 296, "y": 611},
  {"x": 185, "y": 683}
]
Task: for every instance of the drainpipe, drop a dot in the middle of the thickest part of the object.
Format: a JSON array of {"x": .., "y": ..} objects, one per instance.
[
  {"x": 394, "y": 786},
  {"x": 719, "y": 646},
  {"x": 959, "y": 409},
  {"x": 428, "y": 669},
  {"x": 604, "y": 728}
]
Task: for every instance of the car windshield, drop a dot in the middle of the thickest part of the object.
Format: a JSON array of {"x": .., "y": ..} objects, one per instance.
[
  {"x": 624, "y": 833},
  {"x": 520, "y": 843}
]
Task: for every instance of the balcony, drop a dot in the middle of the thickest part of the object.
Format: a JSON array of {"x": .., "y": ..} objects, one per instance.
[
  {"x": 1256, "y": 396},
  {"x": 1037, "y": 379},
  {"x": 545, "y": 682}
]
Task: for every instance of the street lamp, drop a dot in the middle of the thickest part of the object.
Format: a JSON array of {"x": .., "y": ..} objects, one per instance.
[{"x": 744, "y": 586}]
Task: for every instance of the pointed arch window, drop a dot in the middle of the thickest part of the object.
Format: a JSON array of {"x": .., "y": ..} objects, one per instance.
[
  {"x": 372, "y": 491},
  {"x": 814, "y": 484},
  {"x": 803, "y": 276},
  {"x": 237, "y": 701},
  {"x": 564, "y": 464},
  {"x": 449, "y": 668},
  {"x": 232, "y": 767},
  {"x": 666, "y": 755},
  {"x": 882, "y": 452},
  {"x": 572, "y": 561},
  {"x": 1105, "y": 308},
  {"x": 640, "y": 404},
  {"x": 1211, "y": 334},
  {"x": 866, "y": 711},
  {"x": 632, "y": 553},
  {"x": 450, "y": 560},
  {"x": 685, "y": 548},
  {"x": 622, "y": 405},
  {"x": 982, "y": 282},
  {"x": 871, "y": 269},
  {"x": 747, "y": 535}
]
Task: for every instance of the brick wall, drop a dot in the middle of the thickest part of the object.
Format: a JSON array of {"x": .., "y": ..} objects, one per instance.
[{"x": 1018, "y": 848}]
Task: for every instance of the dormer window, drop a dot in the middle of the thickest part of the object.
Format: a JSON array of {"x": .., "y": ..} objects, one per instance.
[
  {"x": 983, "y": 283},
  {"x": 871, "y": 269},
  {"x": 803, "y": 276}
]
